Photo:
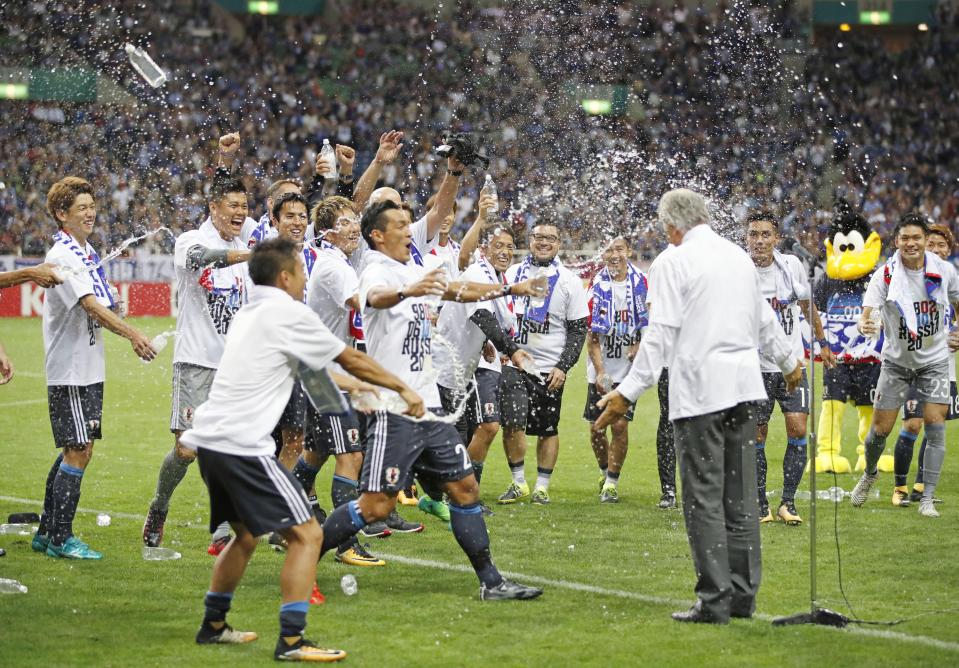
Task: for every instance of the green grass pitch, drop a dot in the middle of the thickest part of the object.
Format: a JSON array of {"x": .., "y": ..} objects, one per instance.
[{"x": 612, "y": 574}]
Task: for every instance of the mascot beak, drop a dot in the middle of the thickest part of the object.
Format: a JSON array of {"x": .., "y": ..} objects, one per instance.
[{"x": 850, "y": 265}]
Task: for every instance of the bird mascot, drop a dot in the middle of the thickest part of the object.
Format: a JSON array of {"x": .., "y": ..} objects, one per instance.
[{"x": 852, "y": 253}]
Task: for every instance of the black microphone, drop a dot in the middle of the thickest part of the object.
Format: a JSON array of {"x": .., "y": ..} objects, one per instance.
[{"x": 797, "y": 249}]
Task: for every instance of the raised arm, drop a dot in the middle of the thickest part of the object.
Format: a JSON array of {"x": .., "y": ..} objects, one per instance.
[
  {"x": 390, "y": 144},
  {"x": 445, "y": 197}
]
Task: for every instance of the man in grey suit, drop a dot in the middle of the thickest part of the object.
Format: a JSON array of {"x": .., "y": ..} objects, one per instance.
[{"x": 708, "y": 320}]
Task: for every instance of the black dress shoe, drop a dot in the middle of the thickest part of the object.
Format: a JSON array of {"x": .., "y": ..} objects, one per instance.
[{"x": 696, "y": 615}]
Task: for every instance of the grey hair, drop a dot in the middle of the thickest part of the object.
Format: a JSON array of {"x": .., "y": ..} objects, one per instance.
[{"x": 683, "y": 209}]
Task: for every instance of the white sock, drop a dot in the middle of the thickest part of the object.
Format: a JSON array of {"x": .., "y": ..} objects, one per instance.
[
  {"x": 519, "y": 475},
  {"x": 610, "y": 480},
  {"x": 542, "y": 479}
]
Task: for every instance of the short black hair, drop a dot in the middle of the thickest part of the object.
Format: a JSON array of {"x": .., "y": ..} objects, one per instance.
[
  {"x": 495, "y": 232},
  {"x": 224, "y": 185},
  {"x": 373, "y": 219},
  {"x": 270, "y": 257},
  {"x": 763, "y": 216},
  {"x": 285, "y": 199},
  {"x": 914, "y": 219}
]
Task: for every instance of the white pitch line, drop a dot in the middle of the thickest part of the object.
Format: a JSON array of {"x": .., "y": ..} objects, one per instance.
[
  {"x": 582, "y": 587},
  {"x": 23, "y": 402}
]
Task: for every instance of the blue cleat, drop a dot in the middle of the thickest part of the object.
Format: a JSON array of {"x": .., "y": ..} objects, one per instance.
[
  {"x": 39, "y": 542},
  {"x": 74, "y": 548}
]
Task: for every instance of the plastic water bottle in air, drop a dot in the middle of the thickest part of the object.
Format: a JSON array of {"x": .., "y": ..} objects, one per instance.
[
  {"x": 144, "y": 65},
  {"x": 159, "y": 554},
  {"x": 11, "y": 587},
  {"x": 489, "y": 188},
  {"x": 348, "y": 585},
  {"x": 16, "y": 529},
  {"x": 328, "y": 155}
]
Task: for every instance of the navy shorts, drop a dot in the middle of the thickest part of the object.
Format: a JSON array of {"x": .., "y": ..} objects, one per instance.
[
  {"x": 398, "y": 448},
  {"x": 332, "y": 434},
  {"x": 75, "y": 413},
  {"x": 796, "y": 402},
  {"x": 526, "y": 404},
  {"x": 851, "y": 382},
  {"x": 914, "y": 406},
  {"x": 482, "y": 406},
  {"x": 294, "y": 415},
  {"x": 256, "y": 491},
  {"x": 591, "y": 413}
]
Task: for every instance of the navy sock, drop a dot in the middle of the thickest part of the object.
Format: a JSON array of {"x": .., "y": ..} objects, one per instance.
[
  {"x": 343, "y": 490},
  {"x": 217, "y": 605},
  {"x": 903, "y": 456},
  {"x": 922, "y": 456},
  {"x": 293, "y": 618},
  {"x": 761, "y": 473},
  {"x": 611, "y": 475},
  {"x": 794, "y": 461},
  {"x": 66, "y": 498},
  {"x": 45, "y": 520},
  {"x": 305, "y": 473},
  {"x": 478, "y": 470},
  {"x": 342, "y": 524},
  {"x": 469, "y": 528}
]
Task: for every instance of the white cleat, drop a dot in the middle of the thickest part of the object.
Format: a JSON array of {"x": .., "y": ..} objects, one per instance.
[
  {"x": 927, "y": 508},
  {"x": 861, "y": 491}
]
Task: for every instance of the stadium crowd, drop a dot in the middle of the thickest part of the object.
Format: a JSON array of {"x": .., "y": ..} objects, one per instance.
[{"x": 349, "y": 79}]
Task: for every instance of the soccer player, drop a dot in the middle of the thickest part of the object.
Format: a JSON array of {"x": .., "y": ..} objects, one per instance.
[
  {"x": 464, "y": 329},
  {"x": 938, "y": 241},
  {"x": 332, "y": 292},
  {"x": 73, "y": 315},
  {"x": 912, "y": 295},
  {"x": 553, "y": 331},
  {"x": 445, "y": 247},
  {"x": 617, "y": 307},
  {"x": 270, "y": 338},
  {"x": 395, "y": 297},
  {"x": 784, "y": 285},
  {"x": 212, "y": 285}
]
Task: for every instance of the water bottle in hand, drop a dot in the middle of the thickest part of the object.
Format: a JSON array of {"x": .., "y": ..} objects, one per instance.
[
  {"x": 144, "y": 65},
  {"x": 537, "y": 302},
  {"x": 489, "y": 188},
  {"x": 328, "y": 155}
]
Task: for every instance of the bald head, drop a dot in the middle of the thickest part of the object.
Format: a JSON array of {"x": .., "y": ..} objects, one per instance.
[{"x": 385, "y": 194}]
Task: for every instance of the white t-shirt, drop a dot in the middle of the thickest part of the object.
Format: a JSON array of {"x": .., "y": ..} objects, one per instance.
[
  {"x": 932, "y": 344},
  {"x": 614, "y": 348},
  {"x": 787, "y": 313},
  {"x": 399, "y": 338},
  {"x": 207, "y": 298},
  {"x": 72, "y": 340},
  {"x": 465, "y": 339},
  {"x": 450, "y": 254},
  {"x": 268, "y": 340},
  {"x": 545, "y": 342},
  {"x": 331, "y": 284}
]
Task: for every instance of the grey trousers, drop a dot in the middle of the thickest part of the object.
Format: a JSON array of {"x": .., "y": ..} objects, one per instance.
[{"x": 717, "y": 463}]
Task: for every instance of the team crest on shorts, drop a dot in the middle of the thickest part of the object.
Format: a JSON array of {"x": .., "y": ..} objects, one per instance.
[
  {"x": 911, "y": 405},
  {"x": 93, "y": 425},
  {"x": 188, "y": 414},
  {"x": 353, "y": 435},
  {"x": 489, "y": 408},
  {"x": 392, "y": 475}
]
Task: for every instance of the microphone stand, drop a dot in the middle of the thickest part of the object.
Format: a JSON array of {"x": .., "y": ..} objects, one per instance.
[{"x": 816, "y": 614}]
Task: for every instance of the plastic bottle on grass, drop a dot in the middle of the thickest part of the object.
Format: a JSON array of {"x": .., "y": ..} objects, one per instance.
[
  {"x": 8, "y": 586},
  {"x": 348, "y": 585},
  {"x": 16, "y": 529},
  {"x": 160, "y": 554}
]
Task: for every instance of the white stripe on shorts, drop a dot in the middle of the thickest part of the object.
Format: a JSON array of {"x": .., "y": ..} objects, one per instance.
[
  {"x": 296, "y": 502},
  {"x": 378, "y": 450},
  {"x": 79, "y": 421},
  {"x": 175, "y": 404},
  {"x": 337, "y": 428}
]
